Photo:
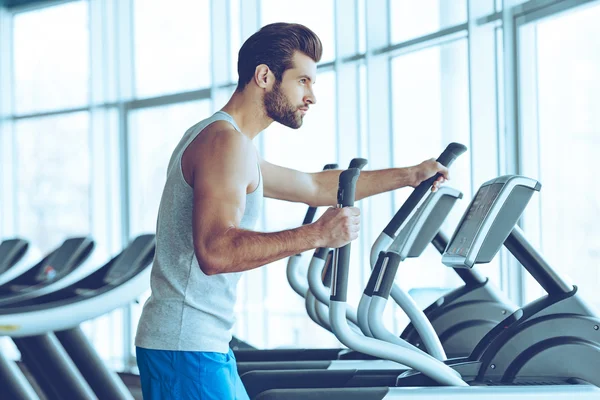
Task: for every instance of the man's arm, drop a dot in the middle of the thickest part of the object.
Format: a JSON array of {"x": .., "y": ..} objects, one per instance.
[
  {"x": 320, "y": 189},
  {"x": 220, "y": 182}
]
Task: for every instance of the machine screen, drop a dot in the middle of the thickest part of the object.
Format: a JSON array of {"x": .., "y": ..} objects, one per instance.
[{"x": 470, "y": 225}]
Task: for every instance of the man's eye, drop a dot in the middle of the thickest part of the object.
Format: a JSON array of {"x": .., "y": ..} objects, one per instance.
[{"x": 303, "y": 81}]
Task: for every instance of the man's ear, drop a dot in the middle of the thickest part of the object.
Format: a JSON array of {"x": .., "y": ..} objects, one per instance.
[{"x": 263, "y": 76}]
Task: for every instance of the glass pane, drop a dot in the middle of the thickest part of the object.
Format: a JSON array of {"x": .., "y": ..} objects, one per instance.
[
  {"x": 53, "y": 178},
  {"x": 307, "y": 149},
  {"x": 236, "y": 36},
  {"x": 107, "y": 335},
  {"x": 154, "y": 133},
  {"x": 362, "y": 26},
  {"x": 317, "y": 15},
  {"x": 51, "y": 58},
  {"x": 172, "y": 46},
  {"x": 564, "y": 144},
  {"x": 410, "y": 19},
  {"x": 431, "y": 109}
]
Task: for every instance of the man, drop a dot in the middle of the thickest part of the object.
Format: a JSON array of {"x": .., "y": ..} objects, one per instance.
[{"x": 213, "y": 196}]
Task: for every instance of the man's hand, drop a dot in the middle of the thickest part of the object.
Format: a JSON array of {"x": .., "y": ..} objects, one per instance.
[
  {"x": 426, "y": 170},
  {"x": 338, "y": 226}
]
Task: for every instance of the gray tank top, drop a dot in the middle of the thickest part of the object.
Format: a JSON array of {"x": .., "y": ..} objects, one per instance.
[{"x": 187, "y": 309}]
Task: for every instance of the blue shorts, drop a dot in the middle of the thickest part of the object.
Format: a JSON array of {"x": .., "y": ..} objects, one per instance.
[{"x": 187, "y": 375}]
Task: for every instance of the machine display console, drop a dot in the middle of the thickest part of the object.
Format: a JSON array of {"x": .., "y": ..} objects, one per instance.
[{"x": 471, "y": 223}]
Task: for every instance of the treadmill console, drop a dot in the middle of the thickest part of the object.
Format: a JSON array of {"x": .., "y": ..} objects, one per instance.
[
  {"x": 11, "y": 251},
  {"x": 135, "y": 257},
  {"x": 70, "y": 255},
  {"x": 488, "y": 221}
]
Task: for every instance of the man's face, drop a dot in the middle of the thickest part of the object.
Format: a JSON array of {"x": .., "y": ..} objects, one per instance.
[{"x": 288, "y": 100}]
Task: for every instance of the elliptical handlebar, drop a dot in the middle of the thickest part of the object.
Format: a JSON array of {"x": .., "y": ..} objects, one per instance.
[{"x": 452, "y": 151}]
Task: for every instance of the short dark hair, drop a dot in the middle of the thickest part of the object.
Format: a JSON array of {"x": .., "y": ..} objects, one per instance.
[{"x": 274, "y": 45}]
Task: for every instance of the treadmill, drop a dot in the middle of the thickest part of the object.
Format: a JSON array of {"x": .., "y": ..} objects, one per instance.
[
  {"x": 113, "y": 285},
  {"x": 59, "y": 269},
  {"x": 542, "y": 351},
  {"x": 12, "y": 259},
  {"x": 54, "y": 271},
  {"x": 12, "y": 381}
]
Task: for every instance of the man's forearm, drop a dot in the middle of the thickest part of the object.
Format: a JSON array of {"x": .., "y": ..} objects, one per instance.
[
  {"x": 374, "y": 182},
  {"x": 369, "y": 183},
  {"x": 239, "y": 250}
]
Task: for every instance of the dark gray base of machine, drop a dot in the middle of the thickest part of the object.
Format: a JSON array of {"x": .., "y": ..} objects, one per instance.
[
  {"x": 247, "y": 355},
  {"x": 10, "y": 381},
  {"x": 258, "y": 381},
  {"x": 238, "y": 344},
  {"x": 547, "y": 342},
  {"x": 291, "y": 355},
  {"x": 104, "y": 383},
  {"x": 132, "y": 381},
  {"x": 52, "y": 368},
  {"x": 244, "y": 367},
  {"x": 375, "y": 393},
  {"x": 462, "y": 318},
  {"x": 556, "y": 335}
]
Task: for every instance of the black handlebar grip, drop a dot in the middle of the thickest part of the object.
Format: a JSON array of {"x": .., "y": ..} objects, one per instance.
[
  {"x": 389, "y": 274},
  {"x": 440, "y": 242},
  {"x": 321, "y": 253},
  {"x": 446, "y": 158},
  {"x": 327, "y": 270},
  {"x": 358, "y": 163},
  {"x": 346, "y": 193},
  {"x": 310, "y": 214},
  {"x": 451, "y": 153},
  {"x": 374, "y": 275},
  {"x": 347, "y": 187}
]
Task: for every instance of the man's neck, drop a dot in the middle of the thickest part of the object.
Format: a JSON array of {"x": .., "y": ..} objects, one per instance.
[{"x": 248, "y": 112}]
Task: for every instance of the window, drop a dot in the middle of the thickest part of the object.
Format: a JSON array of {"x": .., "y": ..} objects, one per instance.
[
  {"x": 172, "y": 46},
  {"x": 317, "y": 15},
  {"x": 53, "y": 178},
  {"x": 362, "y": 26},
  {"x": 51, "y": 58},
  {"x": 560, "y": 139},
  {"x": 107, "y": 335},
  {"x": 235, "y": 36},
  {"x": 410, "y": 19},
  {"x": 430, "y": 109}
]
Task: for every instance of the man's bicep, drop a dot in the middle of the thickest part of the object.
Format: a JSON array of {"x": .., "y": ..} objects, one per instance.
[
  {"x": 219, "y": 201},
  {"x": 220, "y": 182},
  {"x": 216, "y": 208},
  {"x": 287, "y": 184}
]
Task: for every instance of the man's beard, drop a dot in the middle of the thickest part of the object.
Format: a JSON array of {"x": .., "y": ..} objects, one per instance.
[{"x": 279, "y": 109}]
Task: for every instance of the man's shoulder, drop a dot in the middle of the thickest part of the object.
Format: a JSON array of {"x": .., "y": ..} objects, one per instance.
[
  {"x": 218, "y": 137},
  {"x": 223, "y": 135}
]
